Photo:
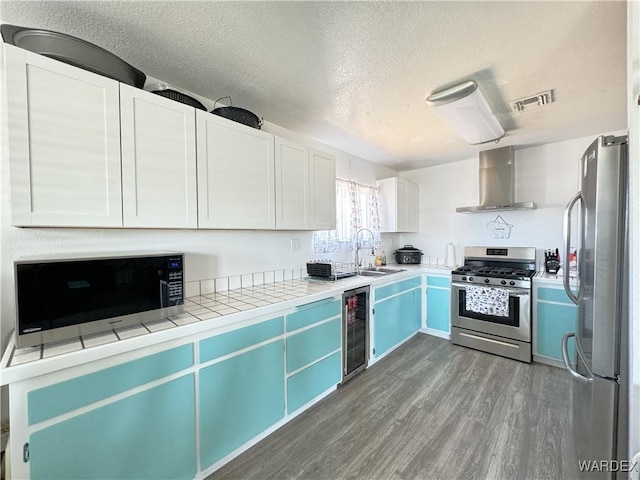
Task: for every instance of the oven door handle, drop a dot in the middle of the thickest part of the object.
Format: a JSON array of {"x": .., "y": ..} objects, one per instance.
[{"x": 513, "y": 292}]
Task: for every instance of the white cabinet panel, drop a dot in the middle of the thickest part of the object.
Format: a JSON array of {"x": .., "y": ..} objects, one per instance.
[
  {"x": 305, "y": 188},
  {"x": 323, "y": 190},
  {"x": 398, "y": 205},
  {"x": 236, "y": 187},
  {"x": 64, "y": 143},
  {"x": 412, "y": 222},
  {"x": 158, "y": 161},
  {"x": 401, "y": 201},
  {"x": 292, "y": 185}
]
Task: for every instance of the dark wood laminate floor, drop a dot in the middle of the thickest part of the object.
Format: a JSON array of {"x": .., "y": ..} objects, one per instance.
[{"x": 428, "y": 410}]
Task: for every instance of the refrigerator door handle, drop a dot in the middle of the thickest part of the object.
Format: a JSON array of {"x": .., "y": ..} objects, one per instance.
[
  {"x": 567, "y": 246},
  {"x": 567, "y": 363}
]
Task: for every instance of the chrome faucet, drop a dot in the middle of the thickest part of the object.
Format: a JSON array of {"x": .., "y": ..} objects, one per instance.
[{"x": 358, "y": 247}]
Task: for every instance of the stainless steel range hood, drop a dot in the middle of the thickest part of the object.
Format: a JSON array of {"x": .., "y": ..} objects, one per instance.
[{"x": 497, "y": 183}]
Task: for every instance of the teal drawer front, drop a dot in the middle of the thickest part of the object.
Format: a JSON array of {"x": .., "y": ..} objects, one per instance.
[
  {"x": 438, "y": 309},
  {"x": 308, "y": 315},
  {"x": 150, "y": 435},
  {"x": 239, "y": 398},
  {"x": 438, "y": 282},
  {"x": 309, "y": 345},
  {"x": 54, "y": 400},
  {"x": 395, "y": 320},
  {"x": 552, "y": 322},
  {"x": 394, "y": 288},
  {"x": 226, "y": 343},
  {"x": 307, "y": 384},
  {"x": 554, "y": 295}
]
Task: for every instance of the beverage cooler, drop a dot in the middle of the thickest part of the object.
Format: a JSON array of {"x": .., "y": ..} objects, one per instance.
[{"x": 355, "y": 337}]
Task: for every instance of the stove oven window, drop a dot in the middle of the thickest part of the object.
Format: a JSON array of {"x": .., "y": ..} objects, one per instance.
[{"x": 512, "y": 320}]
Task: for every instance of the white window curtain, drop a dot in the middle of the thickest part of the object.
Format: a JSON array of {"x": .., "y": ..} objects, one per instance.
[{"x": 357, "y": 207}]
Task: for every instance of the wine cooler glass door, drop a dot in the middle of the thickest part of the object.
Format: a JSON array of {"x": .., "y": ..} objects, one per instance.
[{"x": 356, "y": 331}]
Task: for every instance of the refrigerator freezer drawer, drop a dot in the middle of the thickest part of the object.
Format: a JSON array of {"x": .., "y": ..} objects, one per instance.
[{"x": 596, "y": 419}]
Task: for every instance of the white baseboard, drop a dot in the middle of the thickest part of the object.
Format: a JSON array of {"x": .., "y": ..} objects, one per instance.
[
  {"x": 548, "y": 361},
  {"x": 436, "y": 333},
  {"x": 377, "y": 358}
]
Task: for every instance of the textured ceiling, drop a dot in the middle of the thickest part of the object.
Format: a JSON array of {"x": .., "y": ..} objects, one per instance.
[{"x": 355, "y": 75}]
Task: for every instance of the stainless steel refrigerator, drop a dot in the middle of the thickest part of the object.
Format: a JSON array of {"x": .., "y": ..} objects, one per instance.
[{"x": 599, "y": 209}]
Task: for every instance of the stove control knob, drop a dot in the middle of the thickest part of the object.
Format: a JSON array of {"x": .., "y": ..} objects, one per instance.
[
  {"x": 471, "y": 279},
  {"x": 512, "y": 283},
  {"x": 486, "y": 280},
  {"x": 464, "y": 278},
  {"x": 503, "y": 282}
]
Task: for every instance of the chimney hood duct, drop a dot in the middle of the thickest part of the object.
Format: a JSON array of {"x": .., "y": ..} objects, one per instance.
[{"x": 497, "y": 183}]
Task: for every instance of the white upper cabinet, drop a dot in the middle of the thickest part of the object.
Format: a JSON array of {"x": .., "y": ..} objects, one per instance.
[
  {"x": 398, "y": 205},
  {"x": 322, "y": 167},
  {"x": 88, "y": 151},
  {"x": 235, "y": 175},
  {"x": 159, "y": 187},
  {"x": 64, "y": 143},
  {"x": 305, "y": 187},
  {"x": 292, "y": 185}
]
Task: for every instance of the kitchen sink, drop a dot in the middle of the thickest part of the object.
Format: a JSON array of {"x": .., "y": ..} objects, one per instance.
[{"x": 380, "y": 271}]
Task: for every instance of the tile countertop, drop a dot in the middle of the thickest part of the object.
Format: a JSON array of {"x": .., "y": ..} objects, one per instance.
[
  {"x": 208, "y": 314},
  {"x": 553, "y": 278}
]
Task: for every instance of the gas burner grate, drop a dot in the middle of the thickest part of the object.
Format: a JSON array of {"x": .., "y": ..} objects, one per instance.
[{"x": 488, "y": 270}]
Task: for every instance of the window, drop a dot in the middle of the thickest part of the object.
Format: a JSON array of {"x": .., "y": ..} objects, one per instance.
[
  {"x": 356, "y": 208},
  {"x": 345, "y": 217}
]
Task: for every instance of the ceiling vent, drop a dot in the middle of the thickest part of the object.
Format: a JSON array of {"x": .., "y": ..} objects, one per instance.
[{"x": 532, "y": 102}]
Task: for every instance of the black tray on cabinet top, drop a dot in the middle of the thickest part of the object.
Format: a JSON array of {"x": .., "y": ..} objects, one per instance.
[{"x": 74, "y": 51}]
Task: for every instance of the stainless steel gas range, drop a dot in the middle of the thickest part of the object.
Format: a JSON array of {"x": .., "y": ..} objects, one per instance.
[{"x": 491, "y": 300}]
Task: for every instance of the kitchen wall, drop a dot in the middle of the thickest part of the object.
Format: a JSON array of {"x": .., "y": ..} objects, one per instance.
[{"x": 546, "y": 174}]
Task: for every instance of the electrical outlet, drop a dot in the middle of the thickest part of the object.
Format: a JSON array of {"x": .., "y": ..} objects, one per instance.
[{"x": 296, "y": 245}]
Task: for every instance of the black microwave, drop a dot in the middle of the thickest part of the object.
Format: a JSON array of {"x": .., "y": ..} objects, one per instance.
[{"x": 61, "y": 298}]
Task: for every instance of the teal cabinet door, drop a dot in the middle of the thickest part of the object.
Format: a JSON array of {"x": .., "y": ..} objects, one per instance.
[
  {"x": 63, "y": 397},
  {"x": 240, "y": 398},
  {"x": 309, "y": 345},
  {"x": 310, "y": 382},
  {"x": 305, "y": 348},
  {"x": 395, "y": 319},
  {"x": 552, "y": 322},
  {"x": 149, "y": 435},
  {"x": 438, "y": 309},
  {"x": 313, "y": 313}
]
